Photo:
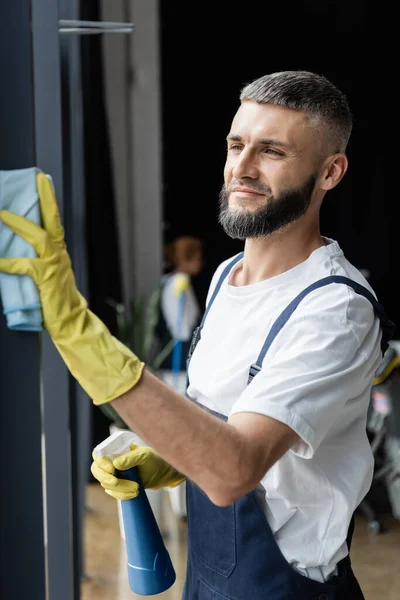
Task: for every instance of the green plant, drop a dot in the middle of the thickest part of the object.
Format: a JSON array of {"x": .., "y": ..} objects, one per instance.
[{"x": 136, "y": 328}]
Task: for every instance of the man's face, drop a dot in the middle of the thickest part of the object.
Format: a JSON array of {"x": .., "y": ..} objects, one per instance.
[{"x": 270, "y": 171}]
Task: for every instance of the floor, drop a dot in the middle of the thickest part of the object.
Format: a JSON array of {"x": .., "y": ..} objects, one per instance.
[{"x": 376, "y": 558}]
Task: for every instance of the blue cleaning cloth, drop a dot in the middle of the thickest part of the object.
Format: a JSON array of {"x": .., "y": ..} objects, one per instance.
[{"x": 19, "y": 293}]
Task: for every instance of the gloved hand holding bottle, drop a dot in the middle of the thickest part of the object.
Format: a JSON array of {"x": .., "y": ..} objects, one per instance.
[{"x": 155, "y": 473}]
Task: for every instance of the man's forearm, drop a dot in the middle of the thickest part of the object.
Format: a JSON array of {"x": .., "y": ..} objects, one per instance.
[{"x": 199, "y": 445}]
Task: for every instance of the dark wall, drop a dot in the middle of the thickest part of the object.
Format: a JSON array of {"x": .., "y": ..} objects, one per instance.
[{"x": 206, "y": 59}]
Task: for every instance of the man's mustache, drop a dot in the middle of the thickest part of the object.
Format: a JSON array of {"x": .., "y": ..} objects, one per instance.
[{"x": 257, "y": 187}]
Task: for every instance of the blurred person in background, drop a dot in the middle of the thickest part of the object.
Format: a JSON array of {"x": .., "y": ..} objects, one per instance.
[{"x": 180, "y": 312}]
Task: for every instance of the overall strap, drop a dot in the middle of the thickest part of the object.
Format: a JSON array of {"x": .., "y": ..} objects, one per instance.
[
  {"x": 218, "y": 286},
  {"x": 387, "y": 325},
  {"x": 197, "y": 332}
]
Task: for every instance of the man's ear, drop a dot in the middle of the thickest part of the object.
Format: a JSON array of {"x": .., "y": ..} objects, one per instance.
[{"x": 333, "y": 171}]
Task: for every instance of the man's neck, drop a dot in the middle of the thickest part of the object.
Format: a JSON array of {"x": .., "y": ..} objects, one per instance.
[{"x": 274, "y": 254}]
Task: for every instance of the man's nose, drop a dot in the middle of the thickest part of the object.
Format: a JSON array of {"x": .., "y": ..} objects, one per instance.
[{"x": 245, "y": 167}]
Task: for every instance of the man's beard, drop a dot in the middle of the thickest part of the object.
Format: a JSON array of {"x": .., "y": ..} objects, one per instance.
[{"x": 275, "y": 214}]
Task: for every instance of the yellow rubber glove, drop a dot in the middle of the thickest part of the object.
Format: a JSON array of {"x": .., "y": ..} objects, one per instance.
[
  {"x": 104, "y": 367},
  {"x": 154, "y": 472}
]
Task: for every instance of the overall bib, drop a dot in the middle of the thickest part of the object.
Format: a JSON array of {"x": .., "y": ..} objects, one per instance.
[{"x": 232, "y": 552}]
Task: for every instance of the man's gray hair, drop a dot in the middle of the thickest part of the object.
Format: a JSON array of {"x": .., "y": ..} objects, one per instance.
[{"x": 312, "y": 94}]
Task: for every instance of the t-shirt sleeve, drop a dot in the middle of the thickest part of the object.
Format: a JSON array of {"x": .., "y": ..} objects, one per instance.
[{"x": 315, "y": 374}]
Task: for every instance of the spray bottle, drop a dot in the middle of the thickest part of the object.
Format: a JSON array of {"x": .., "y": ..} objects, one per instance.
[{"x": 150, "y": 569}]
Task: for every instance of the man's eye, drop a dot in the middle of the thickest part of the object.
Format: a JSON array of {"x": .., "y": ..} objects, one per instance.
[
  {"x": 273, "y": 152},
  {"x": 235, "y": 147}
]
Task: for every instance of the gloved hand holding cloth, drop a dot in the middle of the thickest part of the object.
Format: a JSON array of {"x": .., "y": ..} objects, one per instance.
[
  {"x": 104, "y": 367},
  {"x": 155, "y": 473}
]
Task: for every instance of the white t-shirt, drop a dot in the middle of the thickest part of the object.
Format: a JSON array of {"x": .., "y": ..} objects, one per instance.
[{"x": 316, "y": 378}]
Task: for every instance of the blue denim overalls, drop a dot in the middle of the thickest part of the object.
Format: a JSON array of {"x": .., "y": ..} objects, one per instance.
[{"x": 232, "y": 552}]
